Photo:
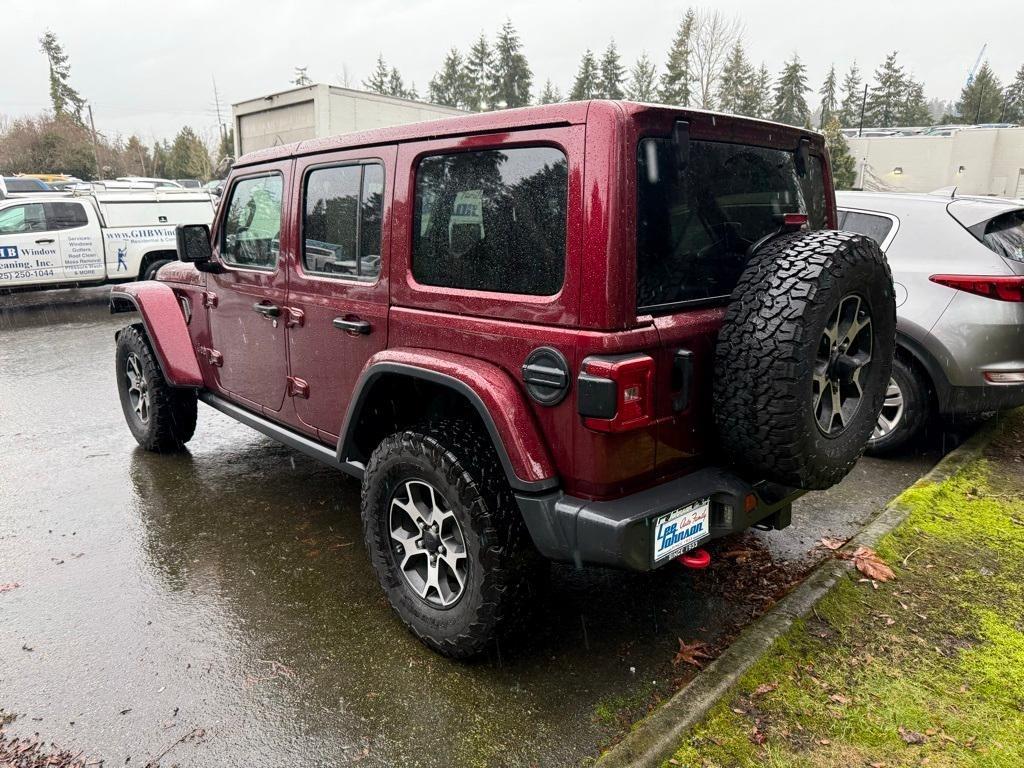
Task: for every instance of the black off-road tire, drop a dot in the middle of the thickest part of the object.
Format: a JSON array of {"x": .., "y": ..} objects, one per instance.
[
  {"x": 912, "y": 416},
  {"x": 765, "y": 360},
  {"x": 152, "y": 269},
  {"x": 504, "y": 570},
  {"x": 170, "y": 414}
]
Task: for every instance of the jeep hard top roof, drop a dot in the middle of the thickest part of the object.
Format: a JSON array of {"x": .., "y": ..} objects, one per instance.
[{"x": 732, "y": 127}]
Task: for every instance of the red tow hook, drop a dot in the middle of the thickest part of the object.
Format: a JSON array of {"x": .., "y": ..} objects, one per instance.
[{"x": 697, "y": 559}]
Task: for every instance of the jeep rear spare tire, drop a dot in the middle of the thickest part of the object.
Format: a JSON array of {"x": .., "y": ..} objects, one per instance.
[{"x": 804, "y": 357}]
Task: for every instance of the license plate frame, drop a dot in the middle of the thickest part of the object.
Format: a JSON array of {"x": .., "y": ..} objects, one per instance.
[{"x": 681, "y": 530}]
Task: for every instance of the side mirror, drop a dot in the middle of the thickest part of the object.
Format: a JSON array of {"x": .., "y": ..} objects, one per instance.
[{"x": 194, "y": 244}]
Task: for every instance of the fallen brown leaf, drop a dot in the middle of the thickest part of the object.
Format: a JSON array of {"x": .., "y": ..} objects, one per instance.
[
  {"x": 757, "y": 737},
  {"x": 689, "y": 653},
  {"x": 910, "y": 737},
  {"x": 764, "y": 688},
  {"x": 838, "y": 698},
  {"x": 867, "y": 561},
  {"x": 828, "y": 542}
]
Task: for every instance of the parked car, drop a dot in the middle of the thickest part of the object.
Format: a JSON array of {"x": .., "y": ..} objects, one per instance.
[
  {"x": 25, "y": 185},
  {"x": 93, "y": 238},
  {"x": 600, "y": 333},
  {"x": 149, "y": 181},
  {"x": 958, "y": 266},
  {"x": 190, "y": 183}
]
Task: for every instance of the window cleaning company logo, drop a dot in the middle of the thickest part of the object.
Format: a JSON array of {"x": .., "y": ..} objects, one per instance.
[{"x": 8, "y": 252}]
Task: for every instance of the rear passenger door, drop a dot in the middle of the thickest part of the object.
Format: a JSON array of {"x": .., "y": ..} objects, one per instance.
[{"x": 338, "y": 288}]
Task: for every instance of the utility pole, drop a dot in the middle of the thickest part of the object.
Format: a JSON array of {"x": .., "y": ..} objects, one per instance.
[
  {"x": 95, "y": 144},
  {"x": 863, "y": 104},
  {"x": 216, "y": 102}
]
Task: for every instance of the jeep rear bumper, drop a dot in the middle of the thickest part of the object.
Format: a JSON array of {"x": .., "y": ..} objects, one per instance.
[{"x": 620, "y": 532}]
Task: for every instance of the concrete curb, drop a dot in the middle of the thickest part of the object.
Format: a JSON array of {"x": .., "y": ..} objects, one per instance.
[
  {"x": 54, "y": 299},
  {"x": 655, "y": 739}
]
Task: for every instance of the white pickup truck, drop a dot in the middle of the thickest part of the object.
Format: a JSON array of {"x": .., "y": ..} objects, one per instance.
[{"x": 95, "y": 237}]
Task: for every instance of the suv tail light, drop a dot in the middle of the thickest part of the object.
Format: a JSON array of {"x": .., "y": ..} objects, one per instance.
[
  {"x": 616, "y": 394},
  {"x": 999, "y": 287}
]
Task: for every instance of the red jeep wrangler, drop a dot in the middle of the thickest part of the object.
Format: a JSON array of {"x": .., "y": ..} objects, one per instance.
[{"x": 600, "y": 333}]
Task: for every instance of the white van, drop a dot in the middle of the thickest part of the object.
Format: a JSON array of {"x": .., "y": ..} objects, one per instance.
[{"x": 95, "y": 237}]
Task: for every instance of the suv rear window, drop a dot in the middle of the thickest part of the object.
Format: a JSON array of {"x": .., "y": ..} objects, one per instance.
[
  {"x": 693, "y": 231},
  {"x": 1005, "y": 235},
  {"x": 875, "y": 227},
  {"x": 492, "y": 221}
]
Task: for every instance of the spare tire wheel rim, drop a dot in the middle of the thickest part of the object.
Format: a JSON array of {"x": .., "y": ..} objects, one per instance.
[
  {"x": 138, "y": 387},
  {"x": 844, "y": 354},
  {"x": 427, "y": 543}
]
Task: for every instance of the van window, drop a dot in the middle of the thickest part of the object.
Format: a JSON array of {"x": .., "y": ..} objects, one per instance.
[
  {"x": 493, "y": 220},
  {"x": 694, "y": 229},
  {"x": 875, "y": 227},
  {"x": 252, "y": 226},
  {"x": 342, "y": 220}
]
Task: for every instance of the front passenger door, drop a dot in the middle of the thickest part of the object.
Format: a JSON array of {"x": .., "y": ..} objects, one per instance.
[{"x": 247, "y": 306}]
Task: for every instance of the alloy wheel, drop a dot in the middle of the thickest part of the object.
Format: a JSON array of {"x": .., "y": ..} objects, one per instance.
[
  {"x": 892, "y": 411},
  {"x": 844, "y": 353},
  {"x": 138, "y": 387},
  {"x": 427, "y": 543}
]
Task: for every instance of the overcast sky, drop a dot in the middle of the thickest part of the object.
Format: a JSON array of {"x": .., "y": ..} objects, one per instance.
[{"x": 147, "y": 67}]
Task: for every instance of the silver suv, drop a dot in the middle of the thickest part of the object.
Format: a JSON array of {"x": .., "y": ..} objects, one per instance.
[{"x": 958, "y": 269}]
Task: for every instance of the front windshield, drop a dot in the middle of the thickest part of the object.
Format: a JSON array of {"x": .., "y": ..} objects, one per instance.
[{"x": 694, "y": 230}]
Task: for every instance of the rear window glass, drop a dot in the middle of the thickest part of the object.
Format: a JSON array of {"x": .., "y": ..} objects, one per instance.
[
  {"x": 25, "y": 185},
  {"x": 875, "y": 227},
  {"x": 492, "y": 220},
  {"x": 694, "y": 230},
  {"x": 342, "y": 221},
  {"x": 1005, "y": 235}
]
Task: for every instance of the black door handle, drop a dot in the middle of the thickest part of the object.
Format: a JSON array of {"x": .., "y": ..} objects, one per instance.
[
  {"x": 354, "y": 325},
  {"x": 44, "y": 240},
  {"x": 267, "y": 310}
]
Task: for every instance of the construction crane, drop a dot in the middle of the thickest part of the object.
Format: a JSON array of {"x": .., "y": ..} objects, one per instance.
[{"x": 977, "y": 62}]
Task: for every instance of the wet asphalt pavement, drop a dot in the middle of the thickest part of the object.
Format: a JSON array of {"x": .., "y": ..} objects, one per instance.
[{"x": 218, "y": 606}]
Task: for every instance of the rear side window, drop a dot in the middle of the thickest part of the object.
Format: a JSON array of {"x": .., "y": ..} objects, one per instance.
[
  {"x": 65, "y": 215},
  {"x": 252, "y": 226},
  {"x": 342, "y": 220},
  {"x": 492, "y": 221},
  {"x": 694, "y": 229},
  {"x": 1005, "y": 235},
  {"x": 875, "y": 227}
]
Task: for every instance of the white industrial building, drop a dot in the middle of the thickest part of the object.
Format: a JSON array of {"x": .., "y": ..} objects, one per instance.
[
  {"x": 978, "y": 161},
  {"x": 315, "y": 111}
]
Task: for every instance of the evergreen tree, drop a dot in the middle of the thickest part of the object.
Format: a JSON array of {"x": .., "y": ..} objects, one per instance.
[
  {"x": 829, "y": 103},
  {"x": 736, "y": 83},
  {"x": 550, "y": 94},
  {"x": 479, "y": 63},
  {"x": 448, "y": 86},
  {"x": 65, "y": 100},
  {"x": 849, "y": 110},
  {"x": 914, "y": 110},
  {"x": 677, "y": 80},
  {"x": 188, "y": 158},
  {"x": 981, "y": 100},
  {"x": 790, "y": 94},
  {"x": 844, "y": 169},
  {"x": 757, "y": 101},
  {"x": 411, "y": 92},
  {"x": 378, "y": 81},
  {"x": 511, "y": 77},
  {"x": 642, "y": 80},
  {"x": 613, "y": 74},
  {"x": 301, "y": 78},
  {"x": 225, "y": 154},
  {"x": 1014, "y": 99},
  {"x": 887, "y": 95},
  {"x": 587, "y": 80}
]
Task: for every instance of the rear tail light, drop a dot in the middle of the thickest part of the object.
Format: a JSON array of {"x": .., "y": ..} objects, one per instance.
[
  {"x": 616, "y": 394},
  {"x": 1004, "y": 377},
  {"x": 999, "y": 287}
]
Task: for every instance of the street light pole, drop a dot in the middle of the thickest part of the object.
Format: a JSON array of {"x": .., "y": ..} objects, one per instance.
[{"x": 863, "y": 103}]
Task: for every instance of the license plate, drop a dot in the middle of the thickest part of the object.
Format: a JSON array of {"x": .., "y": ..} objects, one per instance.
[{"x": 681, "y": 529}]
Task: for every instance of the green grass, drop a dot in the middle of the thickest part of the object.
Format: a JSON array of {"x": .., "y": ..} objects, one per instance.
[{"x": 935, "y": 657}]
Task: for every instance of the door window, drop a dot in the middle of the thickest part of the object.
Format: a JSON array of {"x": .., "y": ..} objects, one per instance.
[
  {"x": 65, "y": 215},
  {"x": 22, "y": 218},
  {"x": 492, "y": 221},
  {"x": 252, "y": 226},
  {"x": 342, "y": 221}
]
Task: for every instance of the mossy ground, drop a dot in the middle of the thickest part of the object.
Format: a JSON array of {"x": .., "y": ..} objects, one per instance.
[{"x": 924, "y": 670}]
